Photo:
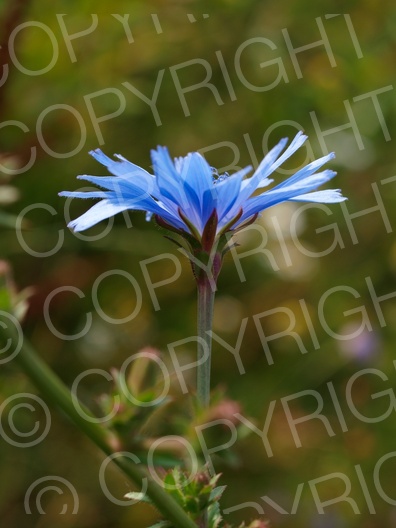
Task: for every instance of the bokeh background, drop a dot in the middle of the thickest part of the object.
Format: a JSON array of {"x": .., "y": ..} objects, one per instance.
[{"x": 259, "y": 105}]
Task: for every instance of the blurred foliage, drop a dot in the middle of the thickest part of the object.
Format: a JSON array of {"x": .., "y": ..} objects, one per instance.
[{"x": 117, "y": 87}]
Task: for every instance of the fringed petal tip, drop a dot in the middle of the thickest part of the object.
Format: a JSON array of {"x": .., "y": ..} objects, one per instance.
[
  {"x": 72, "y": 226},
  {"x": 159, "y": 150},
  {"x": 101, "y": 157},
  {"x": 299, "y": 138},
  {"x": 97, "y": 152}
]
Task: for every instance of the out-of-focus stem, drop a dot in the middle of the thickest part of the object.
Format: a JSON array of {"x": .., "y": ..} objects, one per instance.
[{"x": 58, "y": 394}]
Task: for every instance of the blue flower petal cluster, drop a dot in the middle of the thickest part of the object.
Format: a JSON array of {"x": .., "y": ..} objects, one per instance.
[{"x": 187, "y": 195}]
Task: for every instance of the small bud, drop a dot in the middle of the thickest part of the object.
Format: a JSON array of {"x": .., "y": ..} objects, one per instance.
[
  {"x": 224, "y": 409},
  {"x": 202, "y": 478}
]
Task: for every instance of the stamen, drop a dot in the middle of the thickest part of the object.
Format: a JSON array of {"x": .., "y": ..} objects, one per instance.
[
  {"x": 222, "y": 177},
  {"x": 217, "y": 178},
  {"x": 214, "y": 172}
]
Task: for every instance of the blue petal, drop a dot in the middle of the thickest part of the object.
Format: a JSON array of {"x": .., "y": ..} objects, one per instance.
[
  {"x": 306, "y": 171},
  {"x": 121, "y": 187},
  {"x": 271, "y": 161},
  {"x": 168, "y": 180},
  {"x": 113, "y": 204},
  {"x": 310, "y": 182},
  {"x": 120, "y": 168},
  {"x": 326, "y": 196},
  {"x": 87, "y": 194},
  {"x": 278, "y": 195},
  {"x": 100, "y": 211},
  {"x": 173, "y": 193},
  {"x": 269, "y": 164},
  {"x": 197, "y": 181},
  {"x": 297, "y": 142},
  {"x": 123, "y": 169},
  {"x": 264, "y": 168},
  {"x": 228, "y": 192}
]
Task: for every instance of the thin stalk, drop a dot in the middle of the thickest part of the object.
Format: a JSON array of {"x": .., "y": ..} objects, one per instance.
[
  {"x": 58, "y": 394},
  {"x": 206, "y": 295}
]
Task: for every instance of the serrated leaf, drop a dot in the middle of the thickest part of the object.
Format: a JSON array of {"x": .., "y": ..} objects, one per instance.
[
  {"x": 179, "y": 479},
  {"x": 169, "y": 480},
  {"x": 138, "y": 496},
  {"x": 172, "y": 480},
  {"x": 216, "y": 493},
  {"x": 214, "y": 515},
  {"x": 214, "y": 479},
  {"x": 162, "y": 524}
]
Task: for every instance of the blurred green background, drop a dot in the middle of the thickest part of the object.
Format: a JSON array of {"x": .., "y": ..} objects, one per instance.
[{"x": 123, "y": 86}]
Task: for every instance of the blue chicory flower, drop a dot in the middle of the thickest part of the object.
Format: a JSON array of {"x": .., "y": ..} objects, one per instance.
[{"x": 187, "y": 194}]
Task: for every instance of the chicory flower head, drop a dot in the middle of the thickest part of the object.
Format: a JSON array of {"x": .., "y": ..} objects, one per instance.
[{"x": 188, "y": 196}]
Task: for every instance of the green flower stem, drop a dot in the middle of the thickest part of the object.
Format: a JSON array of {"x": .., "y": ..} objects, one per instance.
[
  {"x": 206, "y": 295},
  {"x": 57, "y": 393}
]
